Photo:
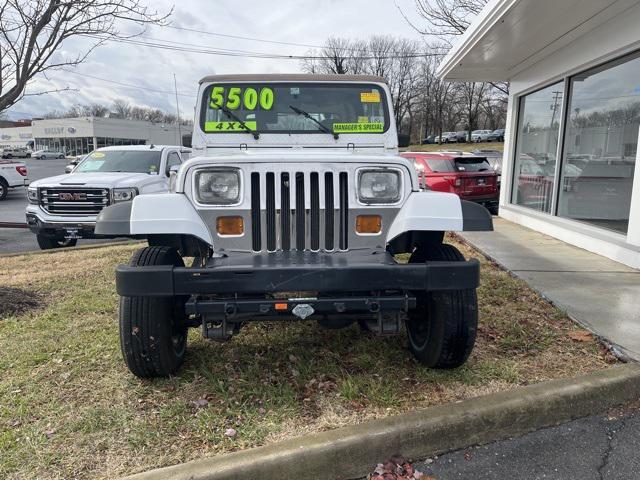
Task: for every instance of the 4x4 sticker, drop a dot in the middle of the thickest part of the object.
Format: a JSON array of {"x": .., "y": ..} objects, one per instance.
[
  {"x": 376, "y": 127},
  {"x": 228, "y": 126}
]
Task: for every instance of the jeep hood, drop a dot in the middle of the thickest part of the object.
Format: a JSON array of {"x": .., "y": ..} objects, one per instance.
[{"x": 97, "y": 179}]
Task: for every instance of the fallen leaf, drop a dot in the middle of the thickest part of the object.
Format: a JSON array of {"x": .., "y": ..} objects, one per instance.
[
  {"x": 201, "y": 403},
  {"x": 581, "y": 336},
  {"x": 230, "y": 432}
]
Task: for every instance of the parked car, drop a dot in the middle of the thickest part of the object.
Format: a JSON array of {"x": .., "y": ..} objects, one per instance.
[
  {"x": 73, "y": 163},
  {"x": 496, "y": 136},
  {"x": 430, "y": 140},
  {"x": 461, "y": 137},
  {"x": 447, "y": 137},
  {"x": 494, "y": 157},
  {"x": 478, "y": 136},
  {"x": 12, "y": 175},
  {"x": 46, "y": 154},
  {"x": 63, "y": 209},
  {"x": 269, "y": 224},
  {"x": 20, "y": 152},
  {"x": 468, "y": 176}
]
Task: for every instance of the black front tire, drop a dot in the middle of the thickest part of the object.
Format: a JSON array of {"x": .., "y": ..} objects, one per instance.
[
  {"x": 47, "y": 243},
  {"x": 442, "y": 329},
  {"x": 4, "y": 188},
  {"x": 153, "y": 334}
]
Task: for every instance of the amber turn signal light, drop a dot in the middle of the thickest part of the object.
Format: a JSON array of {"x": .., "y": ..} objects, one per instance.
[
  {"x": 368, "y": 224},
  {"x": 230, "y": 226}
]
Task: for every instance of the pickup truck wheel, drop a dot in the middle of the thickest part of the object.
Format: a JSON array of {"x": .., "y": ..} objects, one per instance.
[
  {"x": 442, "y": 329},
  {"x": 4, "y": 188},
  {"x": 47, "y": 243},
  {"x": 153, "y": 335}
]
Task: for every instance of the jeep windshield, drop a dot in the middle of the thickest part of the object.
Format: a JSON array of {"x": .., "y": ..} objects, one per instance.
[
  {"x": 275, "y": 108},
  {"x": 133, "y": 161}
]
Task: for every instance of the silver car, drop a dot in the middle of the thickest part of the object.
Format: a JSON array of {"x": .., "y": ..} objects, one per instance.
[{"x": 46, "y": 154}]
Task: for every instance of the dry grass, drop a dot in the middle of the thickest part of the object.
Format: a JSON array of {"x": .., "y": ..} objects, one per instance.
[
  {"x": 464, "y": 147},
  {"x": 70, "y": 409}
]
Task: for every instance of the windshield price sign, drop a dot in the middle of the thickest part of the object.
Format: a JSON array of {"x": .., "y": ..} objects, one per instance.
[{"x": 236, "y": 97}]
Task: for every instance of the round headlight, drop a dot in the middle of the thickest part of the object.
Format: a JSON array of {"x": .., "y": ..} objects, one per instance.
[
  {"x": 218, "y": 187},
  {"x": 379, "y": 186}
]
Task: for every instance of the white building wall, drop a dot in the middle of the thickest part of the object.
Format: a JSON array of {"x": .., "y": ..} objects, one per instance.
[
  {"x": 613, "y": 39},
  {"x": 156, "y": 133},
  {"x": 15, "y": 136}
]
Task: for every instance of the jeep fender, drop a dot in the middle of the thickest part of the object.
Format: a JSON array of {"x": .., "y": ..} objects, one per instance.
[
  {"x": 439, "y": 212},
  {"x": 153, "y": 214}
]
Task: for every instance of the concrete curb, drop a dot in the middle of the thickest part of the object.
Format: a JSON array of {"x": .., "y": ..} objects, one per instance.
[
  {"x": 13, "y": 225},
  {"x": 71, "y": 249},
  {"x": 352, "y": 452}
]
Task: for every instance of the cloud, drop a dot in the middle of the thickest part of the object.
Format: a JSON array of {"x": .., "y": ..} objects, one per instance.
[{"x": 298, "y": 21}]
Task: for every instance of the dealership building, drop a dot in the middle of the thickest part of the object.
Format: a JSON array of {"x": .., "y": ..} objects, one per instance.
[
  {"x": 570, "y": 167},
  {"x": 78, "y": 136}
]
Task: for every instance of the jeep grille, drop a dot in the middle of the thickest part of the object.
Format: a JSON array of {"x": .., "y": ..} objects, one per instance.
[
  {"x": 74, "y": 201},
  {"x": 286, "y": 224}
]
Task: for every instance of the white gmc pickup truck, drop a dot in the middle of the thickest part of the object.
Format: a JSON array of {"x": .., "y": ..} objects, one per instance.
[
  {"x": 63, "y": 209},
  {"x": 12, "y": 175}
]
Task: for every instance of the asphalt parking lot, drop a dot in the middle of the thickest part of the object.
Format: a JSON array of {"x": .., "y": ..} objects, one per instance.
[{"x": 15, "y": 240}]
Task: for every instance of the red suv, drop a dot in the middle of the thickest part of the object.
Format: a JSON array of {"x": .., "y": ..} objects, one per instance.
[{"x": 469, "y": 176}]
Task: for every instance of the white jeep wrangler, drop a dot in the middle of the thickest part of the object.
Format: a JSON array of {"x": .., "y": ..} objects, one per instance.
[{"x": 294, "y": 206}]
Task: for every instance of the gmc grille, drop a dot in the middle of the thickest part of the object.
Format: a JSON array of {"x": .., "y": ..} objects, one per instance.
[
  {"x": 74, "y": 201},
  {"x": 286, "y": 223}
]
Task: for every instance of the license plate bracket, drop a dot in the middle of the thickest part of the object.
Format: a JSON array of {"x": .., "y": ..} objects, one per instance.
[{"x": 72, "y": 233}]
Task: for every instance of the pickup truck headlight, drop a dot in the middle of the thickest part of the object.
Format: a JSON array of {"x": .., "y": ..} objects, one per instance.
[
  {"x": 218, "y": 186},
  {"x": 379, "y": 186},
  {"x": 32, "y": 195},
  {"x": 124, "y": 194}
]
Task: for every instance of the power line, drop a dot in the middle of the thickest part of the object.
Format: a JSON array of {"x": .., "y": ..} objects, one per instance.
[
  {"x": 127, "y": 85},
  {"x": 248, "y": 54},
  {"x": 175, "y": 46},
  {"x": 261, "y": 40}
]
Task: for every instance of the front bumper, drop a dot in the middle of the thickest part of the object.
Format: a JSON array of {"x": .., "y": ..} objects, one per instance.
[
  {"x": 331, "y": 273},
  {"x": 60, "y": 226}
]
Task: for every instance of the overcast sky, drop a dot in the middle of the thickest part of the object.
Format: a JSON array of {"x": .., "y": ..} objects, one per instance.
[{"x": 301, "y": 21}]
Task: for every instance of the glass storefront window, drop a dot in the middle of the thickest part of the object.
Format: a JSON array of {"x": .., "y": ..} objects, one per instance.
[
  {"x": 536, "y": 147},
  {"x": 601, "y": 144}
]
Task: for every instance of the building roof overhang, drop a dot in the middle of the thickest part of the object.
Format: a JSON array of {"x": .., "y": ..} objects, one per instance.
[{"x": 509, "y": 36}]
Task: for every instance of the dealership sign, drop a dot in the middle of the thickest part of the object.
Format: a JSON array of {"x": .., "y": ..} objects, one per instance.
[
  {"x": 54, "y": 130},
  {"x": 59, "y": 130}
]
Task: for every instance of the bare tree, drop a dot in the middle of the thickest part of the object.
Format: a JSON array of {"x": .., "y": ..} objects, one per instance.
[
  {"x": 446, "y": 18},
  {"x": 121, "y": 108},
  {"x": 471, "y": 96},
  {"x": 32, "y": 33}
]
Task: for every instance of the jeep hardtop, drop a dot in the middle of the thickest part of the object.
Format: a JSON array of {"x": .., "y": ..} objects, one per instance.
[{"x": 295, "y": 205}]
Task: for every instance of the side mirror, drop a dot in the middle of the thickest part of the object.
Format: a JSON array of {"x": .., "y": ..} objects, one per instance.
[
  {"x": 173, "y": 174},
  {"x": 186, "y": 140},
  {"x": 68, "y": 168},
  {"x": 404, "y": 140}
]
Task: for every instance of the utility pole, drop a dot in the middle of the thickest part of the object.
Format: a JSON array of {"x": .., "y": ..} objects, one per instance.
[
  {"x": 175, "y": 85},
  {"x": 557, "y": 95}
]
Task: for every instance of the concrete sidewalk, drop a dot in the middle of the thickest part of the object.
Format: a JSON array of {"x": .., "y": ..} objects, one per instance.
[{"x": 599, "y": 293}]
